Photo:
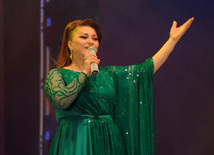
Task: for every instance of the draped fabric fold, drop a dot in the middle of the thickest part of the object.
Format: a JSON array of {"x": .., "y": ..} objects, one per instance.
[{"x": 134, "y": 107}]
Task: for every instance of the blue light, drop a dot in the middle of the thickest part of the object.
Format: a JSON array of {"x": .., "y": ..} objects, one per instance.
[
  {"x": 47, "y": 135},
  {"x": 48, "y": 22}
]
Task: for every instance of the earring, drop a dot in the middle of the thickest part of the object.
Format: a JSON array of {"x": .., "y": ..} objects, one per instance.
[{"x": 71, "y": 55}]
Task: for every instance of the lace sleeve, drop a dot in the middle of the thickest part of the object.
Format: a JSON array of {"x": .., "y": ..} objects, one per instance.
[{"x": 59, "y": 94}]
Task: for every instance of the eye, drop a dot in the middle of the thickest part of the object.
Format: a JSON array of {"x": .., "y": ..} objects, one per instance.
[
  {"x": 83, "y": 37},
  {"x": 95, "y": 39}
]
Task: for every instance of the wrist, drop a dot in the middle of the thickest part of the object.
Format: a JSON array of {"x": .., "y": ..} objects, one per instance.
[{"x": 172, "y": 41}]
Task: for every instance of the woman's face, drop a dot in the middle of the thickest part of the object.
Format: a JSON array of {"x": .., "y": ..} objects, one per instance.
[{"x": 83, "y": 37}]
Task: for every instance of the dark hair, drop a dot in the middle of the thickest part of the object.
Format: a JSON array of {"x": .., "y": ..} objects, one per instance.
[{"x": 64, "y": 56}]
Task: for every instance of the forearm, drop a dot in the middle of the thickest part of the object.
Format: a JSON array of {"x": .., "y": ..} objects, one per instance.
[
  {"x": 175, "y": 34},
  {"x": 161, "y": 56}
]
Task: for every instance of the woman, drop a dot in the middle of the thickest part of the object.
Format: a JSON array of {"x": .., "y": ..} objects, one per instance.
[{"x": 111, "y": 113}]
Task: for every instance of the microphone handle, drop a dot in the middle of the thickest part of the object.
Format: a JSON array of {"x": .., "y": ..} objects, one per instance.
[{"x": 94, "y": 68}]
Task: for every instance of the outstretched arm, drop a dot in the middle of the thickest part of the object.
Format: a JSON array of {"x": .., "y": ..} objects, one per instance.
[{"x": 175, "y": 34}]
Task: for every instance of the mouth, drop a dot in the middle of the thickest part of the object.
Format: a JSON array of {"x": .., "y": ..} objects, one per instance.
[{"x": 88, "y": 47}]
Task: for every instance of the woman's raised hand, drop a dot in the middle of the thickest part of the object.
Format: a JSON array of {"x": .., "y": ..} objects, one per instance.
[{"x": 177, "y": 32}]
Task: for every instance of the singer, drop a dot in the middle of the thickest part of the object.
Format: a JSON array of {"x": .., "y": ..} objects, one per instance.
[{"x": 107, "y": 114}]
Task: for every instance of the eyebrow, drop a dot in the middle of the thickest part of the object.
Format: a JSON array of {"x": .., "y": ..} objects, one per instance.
[{"x": 87, "y": 34}]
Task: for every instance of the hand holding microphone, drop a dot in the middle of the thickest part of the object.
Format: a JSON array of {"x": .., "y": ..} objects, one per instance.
[
  {"x": 94, "y": 65},
  {"x": 92, "y": 61}
]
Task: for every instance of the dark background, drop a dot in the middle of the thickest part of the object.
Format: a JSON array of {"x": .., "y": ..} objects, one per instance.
[{"x": 133, "y": 30}]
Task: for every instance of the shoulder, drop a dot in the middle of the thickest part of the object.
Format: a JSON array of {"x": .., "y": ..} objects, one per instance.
[
  {"x": 55, "y": 73},
  {"x": 55, "y": 70},
  {"x": 148, "y": 64}
]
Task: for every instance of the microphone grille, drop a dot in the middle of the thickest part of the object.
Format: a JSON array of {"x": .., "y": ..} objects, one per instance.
[{"x": 92, "y": 49}]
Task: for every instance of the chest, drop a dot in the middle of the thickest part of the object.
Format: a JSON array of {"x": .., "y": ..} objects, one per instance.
[{"x": 97, "y": 95}]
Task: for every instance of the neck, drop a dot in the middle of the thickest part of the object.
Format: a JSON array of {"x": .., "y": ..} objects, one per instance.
[{"x": 77, "y": 65}]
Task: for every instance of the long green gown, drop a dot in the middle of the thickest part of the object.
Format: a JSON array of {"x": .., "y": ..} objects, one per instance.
[{"x": 107, "y": 114}]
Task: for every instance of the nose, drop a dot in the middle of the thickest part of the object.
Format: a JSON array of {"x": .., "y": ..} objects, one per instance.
[{"x": 90, "y": 41}]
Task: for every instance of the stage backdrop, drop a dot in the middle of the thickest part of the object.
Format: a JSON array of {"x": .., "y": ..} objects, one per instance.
[{"x": 132, "y": 32}]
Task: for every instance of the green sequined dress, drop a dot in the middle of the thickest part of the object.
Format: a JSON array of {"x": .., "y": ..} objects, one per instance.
[{"x": 107, "y": 114}]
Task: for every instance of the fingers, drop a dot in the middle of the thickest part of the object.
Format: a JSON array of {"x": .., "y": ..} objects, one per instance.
[
  {"x": 93, "y": 59},
  {"x": 177, "y": 32},
  {"x": 189, "y": 22},
  {"x": 186, "y": 24},
  {"x": 90, "y": 58},
  {"x": 174, "y": 24}
]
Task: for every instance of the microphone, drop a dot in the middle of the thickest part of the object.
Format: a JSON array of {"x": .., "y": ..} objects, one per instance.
[{"x": 94, "y": 66}]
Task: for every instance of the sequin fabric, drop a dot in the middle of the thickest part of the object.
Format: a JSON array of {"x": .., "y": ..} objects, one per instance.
[{"x": 112, "y": 113}]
